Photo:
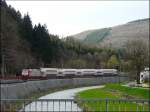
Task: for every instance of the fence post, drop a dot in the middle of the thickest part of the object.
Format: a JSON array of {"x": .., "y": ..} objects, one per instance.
[
  {"x": 100, "y": 109},
  {"x": 23, "y": 105},
  {"x": 106, "y": 105}
]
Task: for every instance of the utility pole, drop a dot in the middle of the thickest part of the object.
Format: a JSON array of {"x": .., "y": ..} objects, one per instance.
[
  {"x": 3, "y": 66},
  {"x": 2, "y": 50},
  {"x": 2, "y": 55},
  {"x": 2, "y": 58}
]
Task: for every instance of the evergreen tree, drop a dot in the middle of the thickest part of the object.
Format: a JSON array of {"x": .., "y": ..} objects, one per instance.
[{"x": 27, "y": 28}]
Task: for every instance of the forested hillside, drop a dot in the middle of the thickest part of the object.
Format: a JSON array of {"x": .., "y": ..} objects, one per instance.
[
  {"x": 14, "y": 47},
  {"x": 97, "y": 36},
  {"x": 24, "y": 45},
  {"x": 116, "y": 36}
]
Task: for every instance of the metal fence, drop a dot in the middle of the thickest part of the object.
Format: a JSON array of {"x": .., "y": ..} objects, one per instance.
[{"x": 71, "y": 105}]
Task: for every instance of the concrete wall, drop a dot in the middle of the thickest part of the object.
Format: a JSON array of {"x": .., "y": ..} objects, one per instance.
[{"x": 20, "y": 90}]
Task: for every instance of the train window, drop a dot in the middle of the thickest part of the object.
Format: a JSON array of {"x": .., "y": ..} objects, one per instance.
[
  {"x": 51, "y": 71},
  {"x": 69, "y": 71},
  {"x": 88, "y": 71}
]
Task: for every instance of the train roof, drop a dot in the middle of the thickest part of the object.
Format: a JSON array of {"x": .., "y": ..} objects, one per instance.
[
  {"x": 48, "y": 68},
  {"x": 69, "y": 69},
  {"x": 43, "y": 69},
  {"x": 108, "y": 69}
]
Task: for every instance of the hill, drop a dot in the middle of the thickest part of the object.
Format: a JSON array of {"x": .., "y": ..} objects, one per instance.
[
  {"x": 116, "y": 36},
  {"x": 24, "y": 45}
]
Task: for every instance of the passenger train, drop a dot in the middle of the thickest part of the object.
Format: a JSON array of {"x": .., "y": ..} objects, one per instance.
[{"x": 58, "y": 72}]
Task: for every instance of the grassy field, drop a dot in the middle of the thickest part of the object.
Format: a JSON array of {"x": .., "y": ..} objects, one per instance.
[
  {"x": 138, "y": 93},
  {"x": 114, "y": 91}
]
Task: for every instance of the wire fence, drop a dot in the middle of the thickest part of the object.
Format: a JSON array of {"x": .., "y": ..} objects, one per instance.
[{"x": 72, "y": 105}]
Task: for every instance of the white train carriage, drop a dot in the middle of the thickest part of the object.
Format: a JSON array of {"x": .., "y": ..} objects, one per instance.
[
  {"x": 99, "y": 72},
  {"x": 35, "y": 73},
  {"x": 88, "y": 72},
  {"x": 60, "y": 73},
  {"x": 32, "y": 73},
  {"x": 69, "y": 72},
  {"x": 79, "y": 72},
  {"x": 49, "y": 72},
  {"x": 109, "y": 71}
]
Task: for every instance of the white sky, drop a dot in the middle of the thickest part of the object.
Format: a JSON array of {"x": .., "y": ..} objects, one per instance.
[{"x": 70, "y": 17}]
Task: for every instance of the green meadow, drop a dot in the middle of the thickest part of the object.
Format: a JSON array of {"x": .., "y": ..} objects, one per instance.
[{"x": 114, "y": 91}]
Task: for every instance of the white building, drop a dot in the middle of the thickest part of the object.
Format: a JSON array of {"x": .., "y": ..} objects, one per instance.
[{"x": 144, "y": 75}]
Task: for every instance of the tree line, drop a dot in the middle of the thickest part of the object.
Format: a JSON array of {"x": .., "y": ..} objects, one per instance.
[{"x": 25, "y": 45}]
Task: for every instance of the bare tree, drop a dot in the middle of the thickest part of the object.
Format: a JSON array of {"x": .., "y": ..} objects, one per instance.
[{"x": 138, "y": 52}]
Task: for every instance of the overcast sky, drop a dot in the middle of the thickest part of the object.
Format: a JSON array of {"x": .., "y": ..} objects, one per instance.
[{"x": 70, "y": 17}]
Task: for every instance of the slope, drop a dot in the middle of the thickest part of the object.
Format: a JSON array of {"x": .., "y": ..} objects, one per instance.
[{"x": 116, "y": 36}]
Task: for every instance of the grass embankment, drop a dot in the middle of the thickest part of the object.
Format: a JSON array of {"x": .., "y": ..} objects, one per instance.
[{"x": 114, "y": 91}]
